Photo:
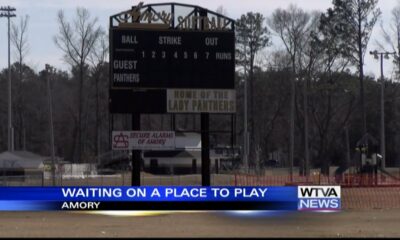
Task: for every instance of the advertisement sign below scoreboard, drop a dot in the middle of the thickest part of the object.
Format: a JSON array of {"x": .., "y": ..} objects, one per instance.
[
  {"x": 201, "y": 100},
  {"x": 143, "y": 140}
]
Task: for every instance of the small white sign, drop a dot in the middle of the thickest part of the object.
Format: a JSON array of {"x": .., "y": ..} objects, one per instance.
[
  {"x": 143, "y": 140},
  {"x": 201, "y": 100}
]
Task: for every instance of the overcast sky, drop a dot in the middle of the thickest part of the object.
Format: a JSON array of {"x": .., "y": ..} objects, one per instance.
[{"x": 43, "y": 24}]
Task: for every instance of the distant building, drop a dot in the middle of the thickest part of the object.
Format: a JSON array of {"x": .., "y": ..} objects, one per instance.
[
  {"x": 186, "y": 158},
  {"x": 16, "y": 165},
  {"x": 24, "y": 163},
  {"x": 21, "y": 159}
]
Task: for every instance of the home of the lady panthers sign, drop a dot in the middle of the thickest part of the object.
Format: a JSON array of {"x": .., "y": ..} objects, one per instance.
[
  {"x": 201, "y": 100},
  {"x": 155, "y": 47}
]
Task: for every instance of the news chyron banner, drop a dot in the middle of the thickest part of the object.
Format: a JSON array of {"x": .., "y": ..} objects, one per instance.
[{"x": 152, "y": 198}]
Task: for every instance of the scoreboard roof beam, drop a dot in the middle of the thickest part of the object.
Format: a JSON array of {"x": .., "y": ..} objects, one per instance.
[
  {"x": 187, "y": 16},
  {"x": 189, "y": 5},
  {"x": 141, "y": 9}
]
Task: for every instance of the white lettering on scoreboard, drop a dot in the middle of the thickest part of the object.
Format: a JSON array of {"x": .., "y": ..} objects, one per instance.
[
  {"x": 201, "y": 100},
  {"x": 143, "y": 140}
]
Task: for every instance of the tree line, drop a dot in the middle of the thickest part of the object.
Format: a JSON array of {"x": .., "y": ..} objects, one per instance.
[{"x": 308, "y": 99}]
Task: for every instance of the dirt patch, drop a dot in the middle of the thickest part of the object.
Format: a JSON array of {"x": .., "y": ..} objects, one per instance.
[
  {"x": 371, "y": 198},
  {"x": 348, "y": 223}
]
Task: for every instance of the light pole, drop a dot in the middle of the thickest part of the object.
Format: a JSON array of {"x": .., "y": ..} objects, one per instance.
[
  {"x": 381, "y": 55},
  {"x": 49, "y": 72},
  {"x": 8, "y": 13}
]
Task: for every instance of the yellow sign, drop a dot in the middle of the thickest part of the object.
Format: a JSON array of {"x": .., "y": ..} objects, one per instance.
[{"x": 201, "y": 100}]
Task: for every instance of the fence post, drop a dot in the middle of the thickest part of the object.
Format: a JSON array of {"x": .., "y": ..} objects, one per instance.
[{"x": 319, "y": 179}]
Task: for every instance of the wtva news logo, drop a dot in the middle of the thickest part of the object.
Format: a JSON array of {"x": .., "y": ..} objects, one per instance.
[{"x": 319, "y": 198}]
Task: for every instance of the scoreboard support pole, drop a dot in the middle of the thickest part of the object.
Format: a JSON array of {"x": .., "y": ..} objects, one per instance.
[
  {"x": 205, "y": 150},
  {"x": 205, "y": 138},
  {"x": 136, "y": 153},
  {"x": 123, "y": 62}
]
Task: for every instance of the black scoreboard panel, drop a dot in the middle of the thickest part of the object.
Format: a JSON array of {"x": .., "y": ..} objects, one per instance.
[
  {"x": 172, "y": 59},
  {"x": 143, "y": 101}
]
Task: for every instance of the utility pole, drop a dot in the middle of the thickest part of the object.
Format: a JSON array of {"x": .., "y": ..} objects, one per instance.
[
  {"x": 305, "y": 168},
  {"x": 245, "y": 130},
  {"x": 8, "y": 13},
  {"x": 292, "y": 116},
  {"x": 50, "y": 71},
  {"x": 383, "y": 143},
  {"x": 382, "y": 55}
]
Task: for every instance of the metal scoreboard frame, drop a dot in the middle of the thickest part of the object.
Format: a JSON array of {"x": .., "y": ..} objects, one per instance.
[
  {"x": 153, "y": 48},
  {"x": 154, "y": 59},
  {"x": 172, "y": 58}
]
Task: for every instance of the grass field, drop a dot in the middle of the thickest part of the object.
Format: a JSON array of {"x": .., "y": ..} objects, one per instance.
[
  {"x": 348, "y": 223},
  {"x": 367, "y": 212}
]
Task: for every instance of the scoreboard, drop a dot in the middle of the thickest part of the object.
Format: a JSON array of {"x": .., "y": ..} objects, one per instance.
[{"x": 161, "y": 59}]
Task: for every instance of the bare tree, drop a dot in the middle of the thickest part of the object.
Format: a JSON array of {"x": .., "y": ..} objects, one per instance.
[
  {"x": 353, "y": 22},
  {"x": 19, "y": 40},
  {"x": 251, "y": 37},
  {"x": 391, "y": 39},
  {"x": 97, "y": 58},
  {"x": 308, "y": 62},
  {"x": 293, "y": 27},
  {"x": 77, "y": 40},
  {"x": 222, "y": 10}
]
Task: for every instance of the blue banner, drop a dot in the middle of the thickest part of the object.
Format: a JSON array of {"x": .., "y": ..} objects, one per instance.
[
  {"x": 149, "y": 193},
  {"x": 157, "y": 198}
]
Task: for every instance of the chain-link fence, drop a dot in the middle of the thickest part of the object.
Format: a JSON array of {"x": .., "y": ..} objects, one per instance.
[
  {"x": 30, "y": 178},
  {"x": 88, "y": 176},
  {"x": 354, "y": 195},
  {"x": 378, "y": 190},
  {"x": 118, "y": 179},
  {"x": 282, "y": 177}
]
